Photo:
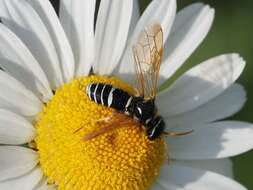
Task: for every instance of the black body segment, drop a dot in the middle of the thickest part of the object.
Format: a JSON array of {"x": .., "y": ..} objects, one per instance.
[
  {"x": 155, "y": 127},
  {"x": 108, "y": 95},
  {"x": 137, "y": 107},
  {"x": 119, "y": 99},
  {"x": 99, "y": 89},
  {"x": 144, "y": 110}
]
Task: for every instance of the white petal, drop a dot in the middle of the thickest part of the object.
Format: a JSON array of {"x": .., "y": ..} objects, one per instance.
[
  {"x": 215, "y": 140},
  {"x": 27, "y": 25},
  {"x": 201, "y": 84},
  {"x": 222, "y": 106},
  {"x": 46, "y": 187},
  {"x": 220, "y": 166},
  {"x": 190, "y": 28},
  {"x": 77, "y": 18},
  {"x": 52, "y": 23},
  {"x": 16, "y": 97},
  {"x": 43, "y": 185},
  {"x": 16, "y": 161},
  {"x": 161, "y": 11},
  {"x": 14, "y": 129},
  {"x": 3, "y": 10},
  {"x": 135, "y": 17},
  {"x": 165, "y": 186},
  {"x": 16, "y": 59},
  {"x": 25, "y": 182},
  {"x": 194, "y": 179},
  {"x": 162, "y": 182},
  {"x": 111, "y": 33}
]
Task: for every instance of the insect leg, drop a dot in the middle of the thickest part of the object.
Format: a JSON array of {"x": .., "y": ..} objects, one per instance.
[{"x": 176, "y": 134}]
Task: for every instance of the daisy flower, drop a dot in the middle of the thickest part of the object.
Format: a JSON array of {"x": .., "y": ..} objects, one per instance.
[{"x": 47, "y": 63}]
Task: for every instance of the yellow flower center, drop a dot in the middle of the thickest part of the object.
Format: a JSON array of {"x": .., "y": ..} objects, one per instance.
[{"x": 122, "y": 159}]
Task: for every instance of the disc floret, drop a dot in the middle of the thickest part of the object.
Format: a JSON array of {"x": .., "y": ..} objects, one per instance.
[{"x": 122, "y": 159}]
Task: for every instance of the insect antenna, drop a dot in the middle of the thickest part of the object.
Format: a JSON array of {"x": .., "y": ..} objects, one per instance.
[{"x": 177, "y": 134}]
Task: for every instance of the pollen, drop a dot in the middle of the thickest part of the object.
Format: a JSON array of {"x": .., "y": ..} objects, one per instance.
[{"x": 121, "y": 159}]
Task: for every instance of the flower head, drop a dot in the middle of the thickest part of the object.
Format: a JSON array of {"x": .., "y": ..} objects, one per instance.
[{"x": 45, "y": 112}]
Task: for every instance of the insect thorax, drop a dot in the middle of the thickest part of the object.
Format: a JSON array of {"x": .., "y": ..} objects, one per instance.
[
  {"x": 145, "y": 111},
  {"x": 142, "y": 110}
]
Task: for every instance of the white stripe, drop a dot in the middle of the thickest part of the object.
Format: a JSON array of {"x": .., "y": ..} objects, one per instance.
[
  {"x": 139, "y": 110},
  {"x": 95, "y": 97},
  {"x": 127, "y": 105},
  {"x": 110, "y": 97},
  {"x": 153, "y": 131},
  {"x": 129, "y": 102},
  {"x": 148, "y": 120},
  {"x": 88, "y": 90},
  {"x": 102, "y": 94}
]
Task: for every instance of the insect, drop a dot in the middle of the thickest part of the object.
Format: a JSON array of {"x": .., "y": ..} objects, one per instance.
[{"x": 139, "y": 108}]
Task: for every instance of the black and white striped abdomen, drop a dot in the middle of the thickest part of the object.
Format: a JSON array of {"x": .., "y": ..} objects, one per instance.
[{"x": 108, "y": 95}]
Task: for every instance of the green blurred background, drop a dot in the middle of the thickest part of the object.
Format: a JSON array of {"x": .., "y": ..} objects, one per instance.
[{"x": 232, "y": 31}]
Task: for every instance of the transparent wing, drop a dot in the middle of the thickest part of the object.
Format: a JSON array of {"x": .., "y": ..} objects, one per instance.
[
  {"x": 115, "y": 121},
  {"x": 148, "y": 53}
]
